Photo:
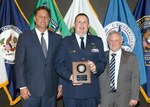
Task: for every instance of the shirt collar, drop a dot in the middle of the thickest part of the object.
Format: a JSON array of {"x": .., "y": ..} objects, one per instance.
[
  {"x": 77, "y": 36},
  {"x": 117, "y": 52},
  {"x": 39, "y": 33}
]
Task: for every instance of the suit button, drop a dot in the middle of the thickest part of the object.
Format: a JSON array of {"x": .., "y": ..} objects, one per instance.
[{"x": 82, "y": 58}]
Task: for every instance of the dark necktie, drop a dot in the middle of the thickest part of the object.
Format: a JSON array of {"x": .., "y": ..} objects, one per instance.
[
  {"x": 112, "y": 72},
  {"x": 43, "y": 44},
  {"x": 82, "y": 42}
]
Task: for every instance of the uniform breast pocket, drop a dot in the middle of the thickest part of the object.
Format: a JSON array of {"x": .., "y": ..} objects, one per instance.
[
  {"x": 92, "y": 55},
  {"x": 71, "y": 54}
]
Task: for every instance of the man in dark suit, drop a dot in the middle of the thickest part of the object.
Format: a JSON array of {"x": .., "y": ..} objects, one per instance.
[
  {"x": 120, "y": 80},
  {"x": 34, "y": 62},
  {"x": 73, "y": 49}
]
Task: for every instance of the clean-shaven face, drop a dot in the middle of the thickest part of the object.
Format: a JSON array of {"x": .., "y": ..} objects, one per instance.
[
  {"x": 115, "y": 42},
  {"x": 81, "y": 25},
  {"x": 42, "y": 19}
]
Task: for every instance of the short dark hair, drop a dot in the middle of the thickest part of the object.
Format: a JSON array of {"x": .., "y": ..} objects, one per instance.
[
  {"x": 44, "y": 8},
  {"x": 82, "y": 14}
]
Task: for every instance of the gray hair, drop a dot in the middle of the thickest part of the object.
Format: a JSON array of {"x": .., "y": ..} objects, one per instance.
[{"x": 114, "y": 32}]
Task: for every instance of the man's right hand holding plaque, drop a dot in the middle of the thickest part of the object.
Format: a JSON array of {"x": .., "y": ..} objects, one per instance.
[{"x": 82, "y": 72}]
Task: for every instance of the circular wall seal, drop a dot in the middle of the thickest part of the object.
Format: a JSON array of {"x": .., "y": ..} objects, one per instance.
[
  {"x": 8, "y": 40},
  {"x": 126, "y": 32}
]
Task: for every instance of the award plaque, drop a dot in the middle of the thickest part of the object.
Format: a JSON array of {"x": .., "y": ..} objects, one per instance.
[{"x": 81, "y": 72}]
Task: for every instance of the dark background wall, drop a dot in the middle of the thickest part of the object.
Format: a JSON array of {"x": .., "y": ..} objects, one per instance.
[{"x": 100, "y": 7}]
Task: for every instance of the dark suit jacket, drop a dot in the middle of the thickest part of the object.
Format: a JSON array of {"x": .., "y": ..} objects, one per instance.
[
  {"x": 68, "y": 52},
  {"x": 32, "y": 68},
  {"x": 128, "y": 81}
]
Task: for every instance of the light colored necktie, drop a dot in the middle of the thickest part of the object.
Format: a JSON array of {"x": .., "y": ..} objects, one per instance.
[
  {"x": 112, "y": 72},
  {"x": 43, "y": 44}
]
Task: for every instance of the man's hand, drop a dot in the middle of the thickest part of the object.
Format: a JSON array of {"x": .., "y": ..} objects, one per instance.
[
  {"x": 75, "y": 84},
  {"x": 24, "y": 93},
  {"x": 59, "y": 94},
  {"x": 92, "y": 66},
  {"x": 133, "y": 102}
]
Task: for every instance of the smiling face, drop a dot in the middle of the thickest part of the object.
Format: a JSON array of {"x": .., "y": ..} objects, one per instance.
[
  {"x": 42, "y": 19},
  {"x": 81, "y": 25},
  {"x": 115, "y": 41}
]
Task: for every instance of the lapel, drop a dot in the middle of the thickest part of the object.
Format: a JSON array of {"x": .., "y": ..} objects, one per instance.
[
  {"x": 89, "y": 43},
  {"x": 107, "y": 66},
  {"x": 51, "y": 44},
  {"x": 106, "y": 72},
  {"x": 37, "y": 43},
  {"x": 74, "y": 42},
  {"x": 81, "y": 54},
  {"x": 122, "y": 60},
  {"x": 75, "y": 46}
]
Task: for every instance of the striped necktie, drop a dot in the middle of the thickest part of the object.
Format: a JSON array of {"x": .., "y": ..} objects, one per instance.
[
  {"x": 112, "y": 72},
  {"x": 43, "y": 44}
]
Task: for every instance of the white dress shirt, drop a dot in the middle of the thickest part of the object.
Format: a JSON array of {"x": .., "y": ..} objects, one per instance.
[
  {"x": 45, "y": 36},
  {"x": 79, "y": 39},
  {"x": 117, "y": 63}
]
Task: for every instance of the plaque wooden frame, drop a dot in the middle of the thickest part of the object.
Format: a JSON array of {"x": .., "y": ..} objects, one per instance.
[{"x": 81, "y": 72}]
